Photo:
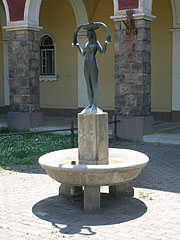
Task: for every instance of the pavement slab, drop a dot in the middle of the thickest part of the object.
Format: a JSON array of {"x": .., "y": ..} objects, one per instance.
[{"x": 30, "y": 207}]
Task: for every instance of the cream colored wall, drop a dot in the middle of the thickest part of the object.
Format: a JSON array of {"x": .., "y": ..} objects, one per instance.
[
  {"x": 162, "y": 56},
  {"x": 100, "y": 11},
  {"x": 1, "y": 70},
  {"x": 57, "y": 18}
]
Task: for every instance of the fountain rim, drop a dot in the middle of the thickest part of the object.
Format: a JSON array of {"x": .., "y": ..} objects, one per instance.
[{"x": 140, "y": 160}]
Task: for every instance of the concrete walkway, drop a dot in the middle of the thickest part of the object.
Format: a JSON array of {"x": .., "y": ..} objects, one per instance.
[
  {"x": 31, "y": 209},
  {"x": 164, "y": 132}
]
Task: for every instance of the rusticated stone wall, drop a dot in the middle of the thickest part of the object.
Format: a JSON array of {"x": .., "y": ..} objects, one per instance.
[
  {"x": 133, "y": 70},
  {"x": 23, "y": 55}
]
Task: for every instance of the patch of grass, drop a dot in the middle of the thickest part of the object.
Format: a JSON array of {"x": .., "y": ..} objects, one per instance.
[{"x": 26, "y": 149}]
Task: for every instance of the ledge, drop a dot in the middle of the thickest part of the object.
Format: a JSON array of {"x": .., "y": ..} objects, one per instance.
[
  {"x": 50, "y": 78},
  {"x": 123, "y": 17}
]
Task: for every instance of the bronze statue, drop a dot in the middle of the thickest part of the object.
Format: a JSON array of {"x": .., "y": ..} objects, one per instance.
[{"x": 90, "y": 65}]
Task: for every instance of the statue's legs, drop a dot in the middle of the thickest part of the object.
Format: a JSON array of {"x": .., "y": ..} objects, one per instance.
[
  {"x": 89, "y": 88},
  {"x": 95, "y": 89}
]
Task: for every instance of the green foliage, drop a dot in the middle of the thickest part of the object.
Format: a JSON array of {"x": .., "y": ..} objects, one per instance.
[{"x": 26, "y": 149}]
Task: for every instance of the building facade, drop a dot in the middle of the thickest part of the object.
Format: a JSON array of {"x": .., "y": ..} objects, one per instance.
[{"x": 139, "y": 76}]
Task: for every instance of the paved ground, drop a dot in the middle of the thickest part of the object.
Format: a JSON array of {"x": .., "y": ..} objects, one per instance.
[{"x": 30, "y": 208}]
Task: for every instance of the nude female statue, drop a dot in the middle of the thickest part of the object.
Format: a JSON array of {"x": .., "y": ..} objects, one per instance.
[{"x": 90, "y": 65}]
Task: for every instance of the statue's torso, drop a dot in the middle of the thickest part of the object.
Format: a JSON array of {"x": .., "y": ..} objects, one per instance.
[{"x": 91, "y": 49}]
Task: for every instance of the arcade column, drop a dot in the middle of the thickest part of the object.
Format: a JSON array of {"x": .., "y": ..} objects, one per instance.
[
  {"x": 133, "y": 78},
  {"x": 23, "y": 57}
]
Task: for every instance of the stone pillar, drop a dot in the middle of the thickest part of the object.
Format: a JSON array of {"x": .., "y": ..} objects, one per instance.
[
  {"x": 92, "y": 199},
  {"x": 93, "y": 138},
  {"x": 121, "y": 190},
  {"x": 133, "y": 80},
  {"x": 23, "y": 57}
]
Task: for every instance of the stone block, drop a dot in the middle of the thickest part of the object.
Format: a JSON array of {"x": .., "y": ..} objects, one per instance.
[
  {"x": 24, "y": 120},
  {"x": 91, "y": 199},
  {"x": 134, "y": 127},
  {"x": 93, "y": 138},
  {"x": 142, "y": 23},
  {"x": 70, "y": 190},
  {"x": 121, "y": 190}
]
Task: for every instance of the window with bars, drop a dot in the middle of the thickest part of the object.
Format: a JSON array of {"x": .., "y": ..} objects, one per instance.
[{"x": 47, "y": 55}]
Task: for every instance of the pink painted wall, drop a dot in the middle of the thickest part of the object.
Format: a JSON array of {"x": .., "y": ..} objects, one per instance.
[
  {"x": 16, "y": 9},
  {"x": 128, "y": 4}
]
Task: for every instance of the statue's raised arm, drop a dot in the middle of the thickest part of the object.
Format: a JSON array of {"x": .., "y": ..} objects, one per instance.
[
  {"x": 91, "y": 26},
  {"x": 90, "y": 65}
]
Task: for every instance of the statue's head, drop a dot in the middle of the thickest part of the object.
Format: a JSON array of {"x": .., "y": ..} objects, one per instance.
[{"x": 91, "y": 35}]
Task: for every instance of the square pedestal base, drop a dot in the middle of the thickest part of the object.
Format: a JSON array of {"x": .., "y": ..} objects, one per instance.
[
  {"x": 24, "y": 120},
  {"x": 93, "y": 138},
  {"x": 134, "y": 127}
]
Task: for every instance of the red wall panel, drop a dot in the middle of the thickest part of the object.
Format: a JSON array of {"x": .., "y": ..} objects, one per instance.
[
  {"x": 128, "y": 4},
  {"x": 16, "y": 9}
]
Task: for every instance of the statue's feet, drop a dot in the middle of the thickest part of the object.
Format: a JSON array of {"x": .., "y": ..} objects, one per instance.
[
  {"x": 94, "y": 109},
  {"x": 88, "y": 109}
]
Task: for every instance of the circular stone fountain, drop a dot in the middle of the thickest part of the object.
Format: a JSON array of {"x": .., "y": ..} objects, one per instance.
[
  {"x": 124, "y": 165},
  {"x": 93, "y": 165}
]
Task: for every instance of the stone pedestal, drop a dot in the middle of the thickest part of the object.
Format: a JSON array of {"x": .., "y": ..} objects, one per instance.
[
  {"x": 121, "y": 190},
  {"x": 92, "y": 199},
  {"x": 70, "y": 190},
  {"x": 93, "y": 138}
]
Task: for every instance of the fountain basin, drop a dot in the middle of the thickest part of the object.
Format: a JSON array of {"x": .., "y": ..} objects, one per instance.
[{"x": 124, "y": 165}]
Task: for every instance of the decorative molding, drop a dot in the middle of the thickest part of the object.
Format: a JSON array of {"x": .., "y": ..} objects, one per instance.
[
  {"x": 175, "y": 29},
  {"x": 21, "y": 26},
  {"x": 2, "y": 17},
  {"x": 116, "y": 6},
  {"x": 129, "y": 23},
  {"x": 31, "y": 13},
  {"x": 81, "y": 14},
  {"x": 48, "y": 78},
  {"x": 80, "y": 11},
  {"x": 142, "y": 12},
  {"x": 5, "y": 57},
  {"x": 7, "y": 11},
  {"x": 119, "y": 18},
  {"x": 176, "y": 13},
  {"x": 31, "y": 17}
]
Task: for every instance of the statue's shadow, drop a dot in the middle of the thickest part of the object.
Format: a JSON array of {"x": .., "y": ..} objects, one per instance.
[{"x": 68, "y": 217}]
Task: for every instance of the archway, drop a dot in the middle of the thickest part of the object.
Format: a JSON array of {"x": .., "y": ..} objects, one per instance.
[
  {"x": 161, "y": 60},
  {"x": 81, "y": 17},
  {"x": 5, "y": 90},
  {"x": 175, "y": 60},
  {"x": 32, "y": 12}
]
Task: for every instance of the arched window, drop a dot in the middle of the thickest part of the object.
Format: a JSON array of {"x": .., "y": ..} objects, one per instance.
[
  {"x": 47, "y": 53},
  {"x": 47, "y": 59}
]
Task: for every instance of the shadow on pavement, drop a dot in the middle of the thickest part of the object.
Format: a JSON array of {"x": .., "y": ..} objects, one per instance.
[{"x": 61, "y": 210}]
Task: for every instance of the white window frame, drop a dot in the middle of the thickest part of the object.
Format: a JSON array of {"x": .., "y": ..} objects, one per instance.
[{"x": 48, "y": 77}]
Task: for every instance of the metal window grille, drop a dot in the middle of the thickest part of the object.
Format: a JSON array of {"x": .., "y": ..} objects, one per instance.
[{"x": 47, "y": 57}]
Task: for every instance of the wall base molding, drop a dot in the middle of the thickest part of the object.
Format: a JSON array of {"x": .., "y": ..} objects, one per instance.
[{"x": 173, "y": 116}]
